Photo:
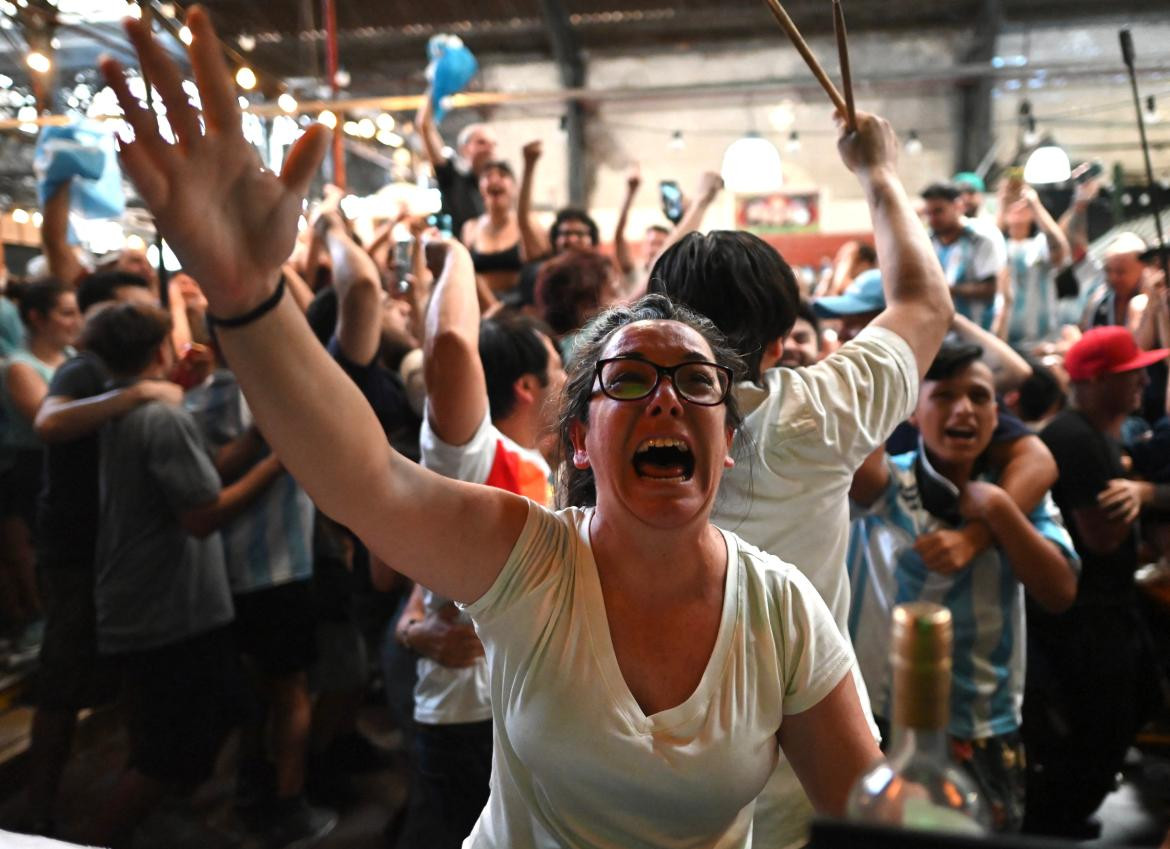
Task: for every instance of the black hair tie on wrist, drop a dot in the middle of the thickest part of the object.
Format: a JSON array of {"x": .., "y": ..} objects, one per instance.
[{"x": 268, "y": 305}]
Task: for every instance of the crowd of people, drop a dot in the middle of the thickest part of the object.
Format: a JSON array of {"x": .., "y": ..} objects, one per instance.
[{"x": 624, "y": 529}]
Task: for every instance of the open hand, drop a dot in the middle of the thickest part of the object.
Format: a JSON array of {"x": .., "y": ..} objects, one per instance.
[{"x": 231, "y": 222}]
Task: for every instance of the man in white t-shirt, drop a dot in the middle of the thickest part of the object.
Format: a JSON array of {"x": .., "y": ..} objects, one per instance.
[
  {"x": 806, "y": 430},
  {"x": 489, "y": 383}
]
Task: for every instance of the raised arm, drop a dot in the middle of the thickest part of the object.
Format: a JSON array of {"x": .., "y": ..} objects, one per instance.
[
  {"x": 1058, "y": 250},
  {"x": 1075, "y": 221},
  {"x": 1008, "y": 367},
  {"x": 710, "y": 184},
  {"x": 359, "y": 293},
  {"x": 63, "y": 262},
  {"x": 232, "y": 224},
  {"x": 621, "y": 247},
  {"x": 918, "y": 304},
  {"x": 457, "y": 396},
  {"x": 424, "y": 120},
  {"x": 533, "y": 241}
]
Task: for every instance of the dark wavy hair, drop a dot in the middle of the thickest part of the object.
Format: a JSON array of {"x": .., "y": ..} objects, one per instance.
[
  {"x": 577, "y": 487},
  {"x": 572, "y": 214}
]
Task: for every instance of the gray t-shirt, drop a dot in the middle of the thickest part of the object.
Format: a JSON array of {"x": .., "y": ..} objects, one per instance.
[{"x": 156, "y": 584}]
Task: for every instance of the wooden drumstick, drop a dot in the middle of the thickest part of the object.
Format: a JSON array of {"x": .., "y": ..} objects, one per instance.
[
  {"x": 843, "y": 57},
  {"x": 803, "y": 49}
]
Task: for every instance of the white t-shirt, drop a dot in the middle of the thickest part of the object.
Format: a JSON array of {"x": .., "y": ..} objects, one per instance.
[
  {"x": 810, "y": 429},
  {"x": 576, "y": 761},
  {"x": 445, "y": 694}
]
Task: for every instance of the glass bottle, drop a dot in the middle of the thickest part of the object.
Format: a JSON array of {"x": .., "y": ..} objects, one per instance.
[{"x": 918, "y": 784}]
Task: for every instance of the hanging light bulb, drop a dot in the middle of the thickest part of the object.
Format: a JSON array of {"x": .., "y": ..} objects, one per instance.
[
  {"x": 677, "y": 142},
  {"x": 247, "y": 42},
  {"x": 385, "y": 122},
  {"x": 913, "y": 143},
  {"x": 38, "y": 62},
  {"x": 327, "y": 119},
  {"x": 20, "y": 216},
  {"x": 1047, "y": 164},
  {"x": 793, "y": 145},
  {"x": 246, "y": 78},
  {"x": 1150, "y": 113},
  {"x": 287, "y": 103},
  {"x": 752, "y": 164}
]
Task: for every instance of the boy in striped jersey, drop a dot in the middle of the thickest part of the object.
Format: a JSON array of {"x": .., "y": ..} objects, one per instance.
[{"x": 943, "y": 484}]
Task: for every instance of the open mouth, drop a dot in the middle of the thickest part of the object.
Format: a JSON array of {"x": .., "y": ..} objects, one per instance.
[
  {"x": 664, "y": 459},
  {"x": 962, "y": 434}
]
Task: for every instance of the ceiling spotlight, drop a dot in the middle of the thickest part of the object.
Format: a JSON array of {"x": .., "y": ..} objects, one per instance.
[
  {"x": 677, "y": 142},
  {"x": 246, "y": 78},
  {"x": 287, "y": 103},
  {"x": 1150, "y": 113},
  {"x": 167, "y": 9},
  {"x": 21, "y": 216},
  {"x": 38, "y": 62},
  {"x": 350, "y": 128},
  {"x": 793, "y": 145},
  {"x": 385, "y": 121},
  {"x": 247, "y": 42},
  {"x": 328, "y": 119},
  {"x": 37, "y": 219},
  {"x": 185, "y": 35},
  {"x": 913, "y": 143},
  {"x": 367, "y": 129},
  {"x": 342, "y": 78}
]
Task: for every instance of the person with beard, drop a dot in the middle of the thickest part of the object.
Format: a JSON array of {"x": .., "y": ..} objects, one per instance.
[{"x": 1088, "y": 684}]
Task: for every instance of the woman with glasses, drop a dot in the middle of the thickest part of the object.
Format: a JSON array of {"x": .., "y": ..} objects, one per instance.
[{"x": 645, "y": 667}]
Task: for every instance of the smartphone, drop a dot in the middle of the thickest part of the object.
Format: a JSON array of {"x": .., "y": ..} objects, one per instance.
[
  {"x": 672, "y": 200},
  {"x": 1087, "y": 171},
  {"x": 441, "y": 221}
]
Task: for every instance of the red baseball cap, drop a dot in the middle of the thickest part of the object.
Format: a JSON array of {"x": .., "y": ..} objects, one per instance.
[{"x": 1108, "y": 350}]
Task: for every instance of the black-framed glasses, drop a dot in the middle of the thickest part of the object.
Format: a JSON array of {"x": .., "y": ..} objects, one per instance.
[{"x": 632, "y": 379}]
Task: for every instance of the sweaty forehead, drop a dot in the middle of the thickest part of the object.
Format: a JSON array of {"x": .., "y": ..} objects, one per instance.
[{"x": 661, "y": 340}]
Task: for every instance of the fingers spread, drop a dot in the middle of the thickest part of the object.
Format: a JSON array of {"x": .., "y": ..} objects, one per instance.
[
  {"x": 162, "y": 73},
  {"x": 144, "y": 123},
  {"x": 217, "y": 90}
]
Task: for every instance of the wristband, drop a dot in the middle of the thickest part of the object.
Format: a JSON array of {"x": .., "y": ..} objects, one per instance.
[{"x": 267, "y": 306}]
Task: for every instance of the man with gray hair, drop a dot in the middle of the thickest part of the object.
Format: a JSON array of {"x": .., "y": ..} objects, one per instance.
[{"x": 458, "y": 177}]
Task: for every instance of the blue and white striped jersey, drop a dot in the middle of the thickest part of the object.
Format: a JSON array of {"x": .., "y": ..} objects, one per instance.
[
  {"x": 969, "y": 259},
  {"x": 1034, "y": 308},
  {"x": 985, "y": 599},
  {"x": 271, "y": 543}
]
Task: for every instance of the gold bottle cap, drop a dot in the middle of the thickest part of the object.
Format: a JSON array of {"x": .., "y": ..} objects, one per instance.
[{"x": 920, "y": 654}]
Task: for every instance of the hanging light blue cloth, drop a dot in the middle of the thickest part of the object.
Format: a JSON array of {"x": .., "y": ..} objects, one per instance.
[
  {"x": 82, "y": 151},
  {"x": 451, "y": 68}
]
